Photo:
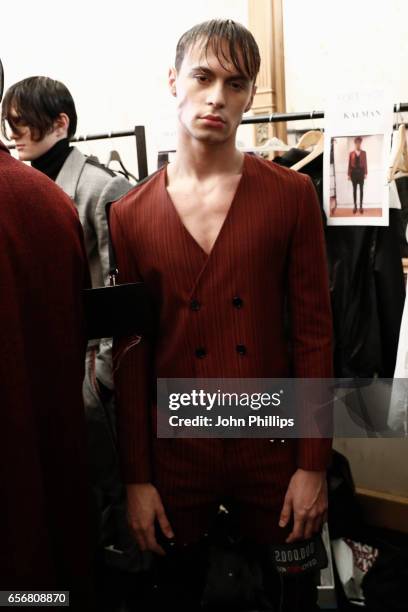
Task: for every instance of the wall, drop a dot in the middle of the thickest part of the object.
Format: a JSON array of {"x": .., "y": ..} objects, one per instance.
[
  {"x": 343, "y": 44},
  {"x": 378, "y": 464},
  {"x": 113, "y": 56}
]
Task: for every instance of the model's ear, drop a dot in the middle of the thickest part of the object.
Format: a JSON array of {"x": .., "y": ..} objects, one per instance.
[
  {"x": 251, "y": 99},
  {"x": 172, "y": 81},
  {"x": 61, "y": 125}
]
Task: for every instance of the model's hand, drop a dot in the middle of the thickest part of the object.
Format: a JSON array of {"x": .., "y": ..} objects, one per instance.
[
  {"x": 349, "y": 178},
  {"x": 144, "y": 506},
  {"x": 306, "y": 498}
]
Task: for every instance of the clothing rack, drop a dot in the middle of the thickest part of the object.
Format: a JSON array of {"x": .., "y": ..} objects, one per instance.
[
  {"x": 281, "y": 117},
  {"x": 138, "y": 132}
]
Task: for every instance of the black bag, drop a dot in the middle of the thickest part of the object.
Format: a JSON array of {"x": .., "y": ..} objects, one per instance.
[
  {"x": 117, "y": 310},
  {"x": 385, "y": 584}
]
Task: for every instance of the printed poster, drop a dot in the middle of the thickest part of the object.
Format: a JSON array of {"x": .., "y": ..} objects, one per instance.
[{"x": 358, "y": 129}]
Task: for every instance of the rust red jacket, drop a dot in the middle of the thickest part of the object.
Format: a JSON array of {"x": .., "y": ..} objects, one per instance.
[
  {"x": 353, "y": 164},
  {"x": 222, "y": 314},
  {"x": 43, "y": 488}
]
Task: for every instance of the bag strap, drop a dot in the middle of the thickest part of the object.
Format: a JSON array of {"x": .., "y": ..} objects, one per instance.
[{"x": 113, "y": 268}]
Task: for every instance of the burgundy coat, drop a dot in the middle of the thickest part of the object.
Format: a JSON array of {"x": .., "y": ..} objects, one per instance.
[
  {"x": 352, "y": 161},
  {"x": 222, "y": 315},
  {"x": 44, "y": 536}
]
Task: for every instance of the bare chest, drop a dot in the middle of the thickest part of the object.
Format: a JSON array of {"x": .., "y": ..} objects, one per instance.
[{"x": 203, "y": 209}]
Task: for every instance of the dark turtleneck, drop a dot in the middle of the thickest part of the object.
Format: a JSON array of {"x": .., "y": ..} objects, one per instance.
[{"x": 52, "y": 161}]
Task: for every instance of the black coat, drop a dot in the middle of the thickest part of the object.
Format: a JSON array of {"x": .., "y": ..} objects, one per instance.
[{"x": 366, "y": 287}]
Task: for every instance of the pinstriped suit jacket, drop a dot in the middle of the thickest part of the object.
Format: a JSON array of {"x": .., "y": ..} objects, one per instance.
[{"x": 271, "y": 245}]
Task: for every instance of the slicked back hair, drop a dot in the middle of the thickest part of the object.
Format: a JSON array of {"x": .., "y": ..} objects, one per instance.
[
  {"x": 243, "y": 50},
  {"x": 37, "y": 102}
]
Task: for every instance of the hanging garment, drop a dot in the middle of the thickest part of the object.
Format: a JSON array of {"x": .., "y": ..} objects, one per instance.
[
  {"x": 398, "y": 409},
  {"x": 398, "y": 190},
  {"x": 366, "y": 287},
  {"x": 401, "y": 183}
]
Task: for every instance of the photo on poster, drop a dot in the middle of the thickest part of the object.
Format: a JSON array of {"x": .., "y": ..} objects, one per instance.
[
  {"x": 357, "y": 177},
  {"x": 358, "y": 129}
]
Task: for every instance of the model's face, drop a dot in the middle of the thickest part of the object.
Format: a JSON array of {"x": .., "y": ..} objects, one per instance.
[
  {"x": 27, "y": 148},
  {"x": 358, "y": 145},
  {"x": 211, "y": 99}
]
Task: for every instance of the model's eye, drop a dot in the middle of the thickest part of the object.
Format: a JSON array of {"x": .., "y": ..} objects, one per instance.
[
  {"x": 237, "y": 85},
  {"x": 201, "y": 78}
]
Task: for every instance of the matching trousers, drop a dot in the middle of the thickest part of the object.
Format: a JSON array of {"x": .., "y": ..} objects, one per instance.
[
  {"x": 357, "y": 180},
  {"x": 249, "y": 478}
]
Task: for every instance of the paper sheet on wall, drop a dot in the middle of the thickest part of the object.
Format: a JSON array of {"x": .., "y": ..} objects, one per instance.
[{"x": 358, "y": 129}]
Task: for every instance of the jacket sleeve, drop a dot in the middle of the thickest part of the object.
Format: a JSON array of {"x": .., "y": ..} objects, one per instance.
[
  {"x": 310, "y": 312},
  {"x": 132, "y": 376},
  {"x": 349, "y": 164},
  {"x": 365, "y": 162}
]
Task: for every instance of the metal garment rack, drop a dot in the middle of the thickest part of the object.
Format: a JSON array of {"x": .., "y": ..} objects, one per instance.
[
  {"x": 138, "y": 132},
  {"x": 281, "y": 117}
]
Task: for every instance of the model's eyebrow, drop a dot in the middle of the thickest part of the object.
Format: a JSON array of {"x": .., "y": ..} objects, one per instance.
[
  {"x": 234, "y": 76},
  {"x": 201, "y": 69}
]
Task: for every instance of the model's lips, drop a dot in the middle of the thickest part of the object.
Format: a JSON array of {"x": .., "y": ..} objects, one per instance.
[{"x": 213, "y": 119}]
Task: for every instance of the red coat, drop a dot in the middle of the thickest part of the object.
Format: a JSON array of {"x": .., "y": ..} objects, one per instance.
[
  {"x": 43, "y": 489},
  {"x": 272, "y": 238},
  {"x": 352, "y": 161}
]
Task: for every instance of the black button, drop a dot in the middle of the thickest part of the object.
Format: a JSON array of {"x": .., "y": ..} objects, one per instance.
[
  {"x": 195, "y": 305},
  {"x": 241, "y": 349},
  {"x": 200, "y": 352},
  {"x": 237, "y": 302}
]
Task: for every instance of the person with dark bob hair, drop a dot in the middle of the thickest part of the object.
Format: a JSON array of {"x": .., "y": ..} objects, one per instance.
[{"x": 38, "y": 102}]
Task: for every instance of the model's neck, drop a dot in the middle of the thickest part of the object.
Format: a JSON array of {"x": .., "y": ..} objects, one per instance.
[{"x": 201, "y": 159}]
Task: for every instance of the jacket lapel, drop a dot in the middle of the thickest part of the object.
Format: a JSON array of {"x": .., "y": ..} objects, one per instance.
[
  {"x": 198, "y": 260},
  {"x": 70, "y": 172}
]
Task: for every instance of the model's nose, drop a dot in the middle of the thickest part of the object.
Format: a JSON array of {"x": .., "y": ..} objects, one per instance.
[{"x": 216, "y": 95}]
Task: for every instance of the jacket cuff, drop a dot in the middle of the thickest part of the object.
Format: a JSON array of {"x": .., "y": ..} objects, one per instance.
[{"x": 314, "y": 454}]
